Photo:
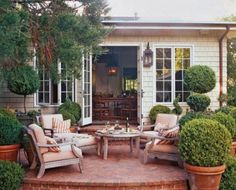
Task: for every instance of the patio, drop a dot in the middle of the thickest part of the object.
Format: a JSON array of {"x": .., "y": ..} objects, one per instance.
[{"x": 121, "y": 171}]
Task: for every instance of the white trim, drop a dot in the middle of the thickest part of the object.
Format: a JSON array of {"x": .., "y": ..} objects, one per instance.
[
  {"x": 128, "y": 44},
  {"x": 172, "y": 46}
]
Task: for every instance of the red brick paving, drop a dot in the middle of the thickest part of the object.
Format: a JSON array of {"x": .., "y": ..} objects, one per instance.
[{"x": 121, "y": 171}]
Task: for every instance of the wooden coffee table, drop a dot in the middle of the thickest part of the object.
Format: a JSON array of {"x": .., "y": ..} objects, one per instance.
[{"x": 105, "y": 137}]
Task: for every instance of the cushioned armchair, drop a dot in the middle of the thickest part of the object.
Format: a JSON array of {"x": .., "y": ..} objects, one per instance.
[
  {"x": 148, "y": 131},
  {"x": 83, "y": 141},
  {"x": 48, "y": 154}
]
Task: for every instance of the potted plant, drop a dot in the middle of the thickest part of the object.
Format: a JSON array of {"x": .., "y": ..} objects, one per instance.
[
  {"x": 204, "y": 146},
  {"x": 11, "y": 175},
  {"x": 10, "y": 138}
]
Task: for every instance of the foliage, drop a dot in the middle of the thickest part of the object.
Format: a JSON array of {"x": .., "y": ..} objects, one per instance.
[
  {"x": 11, "y": 175},
  {"x": 224, "y": 109},
  {"x": 177, "y": 110},
  {"x": 67, "y": 115},
  {"x": 228, "y": 180},
  {"x": 233, "y": 113},
  {"x": 72, "y": 108},
  {"x": 200, "y": 79},
  {"x": 198, "y": 102},
  {"x": 157, "y": 109},
  {"x": 33, "y": 113},
  {"x": 11, "y": 131},
  {"x": 227, "y": 121},
  {"x": 14, "y": 36},
  {"x": 7, "y": 112},
  {"x": 190, "y": 116},
  {"x": 23, "y": 80},
  {"x": 204, "y": 142}
]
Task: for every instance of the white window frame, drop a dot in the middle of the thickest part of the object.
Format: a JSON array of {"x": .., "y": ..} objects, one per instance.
[
  {"x": 172, "y": 46},
  {"x": 37, "y": 104}
]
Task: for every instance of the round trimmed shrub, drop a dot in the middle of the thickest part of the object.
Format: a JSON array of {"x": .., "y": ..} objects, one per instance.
[
  {"x": 200, "y": 79},
  {"x": 157, "y": 109},
  {"x": 204, "y": 142},
  {"x": 225, "y": 109},
  {"x": 227, "y": 121},
  {"x": 71, "y": 107},
  {"x": 233, "y": 113},
  {"x": 190, "y": 116},
  {"x": 8, "y": 113},
  {"x": 11, "y": 131},
  {"x": 66, "y": 115},
  {"x": 23, "y": 80},
  {"x": 11, "y": 175},
  {"x": 198, "y": 102},
  {"x": 228, "y": 180}
]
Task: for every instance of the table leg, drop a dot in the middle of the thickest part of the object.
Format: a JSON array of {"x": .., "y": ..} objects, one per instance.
[
  {"x": 131, "y": 144},
  {"x": 137, "y": 139},
  {"x": 105, "y": 148},
  {"x": 99, "y": 145}
]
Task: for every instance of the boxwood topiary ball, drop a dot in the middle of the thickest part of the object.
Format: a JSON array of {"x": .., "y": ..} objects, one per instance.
[
  {"x": 200, "y": 79},
  {"x": 198, "y": 102},
  {"x": 204, "y": 142}
]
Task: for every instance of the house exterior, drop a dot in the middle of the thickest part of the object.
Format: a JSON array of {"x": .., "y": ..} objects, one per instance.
[{"x": 175, "y": 46}]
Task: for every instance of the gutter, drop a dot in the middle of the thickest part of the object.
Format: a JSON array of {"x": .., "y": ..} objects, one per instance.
[{"x": 221, "y": 61}]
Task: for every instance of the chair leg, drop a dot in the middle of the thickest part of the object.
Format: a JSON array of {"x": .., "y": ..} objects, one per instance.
[
  {"x": 80, "y": 166},
  {"x": 41, "y": 171},
  {"x": 180, "y": 163},
  {"x": 34, "y": 163},
  {"x": 145, "y": 156}
]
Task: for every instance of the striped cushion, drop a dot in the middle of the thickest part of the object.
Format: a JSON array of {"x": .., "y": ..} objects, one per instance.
[{"x": 61, "y": 126}]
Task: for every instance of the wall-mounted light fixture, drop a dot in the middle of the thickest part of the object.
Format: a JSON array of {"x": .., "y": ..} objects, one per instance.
[
  {"x": 112, "y": 70},
  {"x": 147, "y": 56}
]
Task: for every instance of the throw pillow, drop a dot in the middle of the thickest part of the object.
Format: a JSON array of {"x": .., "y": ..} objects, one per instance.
[
  {"x": 61, "y": 126},
  {"x": 160, "y": 126},
  {"x": 54, "y": 148},
  {"x": 171, "y": 133}
]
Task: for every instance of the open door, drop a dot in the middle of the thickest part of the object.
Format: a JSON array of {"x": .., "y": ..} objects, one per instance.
[
  {"x": 140, "y": 84},
  {"x": 87, "y": 90}
]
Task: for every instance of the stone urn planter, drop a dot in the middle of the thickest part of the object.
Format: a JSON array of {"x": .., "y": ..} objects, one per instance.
[{"x": 204, "y": 177}]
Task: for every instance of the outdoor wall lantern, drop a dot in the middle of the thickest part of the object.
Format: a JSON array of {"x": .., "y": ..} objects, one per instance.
[
  {"x": 112, "y": 70},
  {"x": 147, "y": 57}
]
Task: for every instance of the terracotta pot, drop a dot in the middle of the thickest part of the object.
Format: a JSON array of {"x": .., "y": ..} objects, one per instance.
[
  {"x": 204, "y": 178},
  {"x": 233, "y": 148},
  {"x": 9, "y": 152},
  {"x": 73, "y": 129}
]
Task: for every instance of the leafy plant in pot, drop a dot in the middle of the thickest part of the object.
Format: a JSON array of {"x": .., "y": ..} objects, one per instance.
[
  {"x": 10, "y": 138},
  {"x": 204, "y": 146}
]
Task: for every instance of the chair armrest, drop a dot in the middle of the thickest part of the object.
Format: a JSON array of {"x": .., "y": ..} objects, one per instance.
[
  {"x": 50, "y": 130},
  {"x": 53, "y": 145},
  {"x": 147, "y": 127},
  {"x": 165, "y": 138}
]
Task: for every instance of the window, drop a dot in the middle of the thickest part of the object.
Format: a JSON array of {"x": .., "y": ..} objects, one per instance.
[
  {"x": 54, "y": 94},
  {"x": 171, "y": 62}
]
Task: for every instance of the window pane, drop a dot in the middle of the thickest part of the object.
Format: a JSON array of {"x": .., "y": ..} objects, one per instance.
[
  {"x": 46, "y": 100},
  {"x": 178, "y": 64},
  {"x": 159, "y": 52},
  {"x": 167, "y": 97},
  {"x": 63, "y": 97},
  {"x": 46, "y": 86},
  {"x": 178, "y": 53},
  {"x": 178, "y": 86},
  {"x": 69, "y": 86},
  {"x": 159, "y": 86},
  {"x": 167, "y": 53},
  {"x": 167, "y": 63},
  {"x": 40, "y": 98},
  {"x": 186, "y": 63},
  {"x": 186, "y": 53},
  {"x": 186, "y": 95},
  {"x": 159, "y": 97},
  {"x": 41, "y": 86},
  {"x": 167, "y": 74},
  {"x": 180, "y": 95},
  {"x": 159, "y": 74},
  {"x": 63, "y": 86},
  {"x": 167, "y": 85},
  {"x": 178, "y": 75},
  {"x": 159, "y": 63}
]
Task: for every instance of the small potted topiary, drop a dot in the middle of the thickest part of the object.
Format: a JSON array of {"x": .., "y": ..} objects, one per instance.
[
  {"x": 157, "y": 109},
  {"x": 11, "y": 175},
  {"x": 228, "y": 180},
  {"x": 71, "y": 110},
  {"x": 10, "y": 138},
  {"x": 204, "y": 146}
]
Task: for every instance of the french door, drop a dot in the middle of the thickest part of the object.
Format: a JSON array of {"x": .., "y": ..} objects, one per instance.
[{"x": 87, "y": 90}]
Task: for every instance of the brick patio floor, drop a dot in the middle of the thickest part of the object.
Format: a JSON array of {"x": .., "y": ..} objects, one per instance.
[{"x": 121, "y": 171}]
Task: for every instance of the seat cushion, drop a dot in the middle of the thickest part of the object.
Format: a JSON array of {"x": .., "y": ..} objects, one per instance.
[
  {"x": 162, "y": 148},
  {"x": 47, "y": 119},
  {"x": 66, "y": 153},
  {"x": 61, "y": 126},
  {"x": 39, "y": 136},
  {"x": 149, "y": 134}
]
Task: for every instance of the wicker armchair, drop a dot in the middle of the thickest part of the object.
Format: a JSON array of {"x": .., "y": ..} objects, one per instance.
[{"x": 68, "y": 155}]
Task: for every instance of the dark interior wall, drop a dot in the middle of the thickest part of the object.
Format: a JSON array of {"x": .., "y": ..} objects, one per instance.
[{"x": 126, "y": 57}]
